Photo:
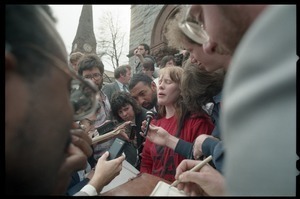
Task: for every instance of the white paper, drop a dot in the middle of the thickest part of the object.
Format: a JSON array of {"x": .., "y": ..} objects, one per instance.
[
  {"x": 128, "y": 172},
  {"x": 164, "y": 189}
]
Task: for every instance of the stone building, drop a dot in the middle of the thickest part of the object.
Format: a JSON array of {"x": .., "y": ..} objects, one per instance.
[{"x": 147, "y": 26}]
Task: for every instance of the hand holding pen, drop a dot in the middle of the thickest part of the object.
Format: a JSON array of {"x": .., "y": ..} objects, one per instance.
[
  {"x": 196, "y": 168},
  {"x": 202, "y": 180}
]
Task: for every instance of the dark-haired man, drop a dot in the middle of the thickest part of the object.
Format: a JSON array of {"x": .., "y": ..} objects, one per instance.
[
  {"x": 143, "y": 89},
  {"x": 142, "y": 52}
]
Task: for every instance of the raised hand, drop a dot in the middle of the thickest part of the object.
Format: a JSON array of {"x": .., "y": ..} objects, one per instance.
[{"x": 159, "y": 136}]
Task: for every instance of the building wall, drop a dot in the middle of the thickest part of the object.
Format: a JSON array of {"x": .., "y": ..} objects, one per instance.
[
  {"x": 147, "y": 26},
  {"x": 142, "y": 21},
  {"x": 141, "y": 26}
]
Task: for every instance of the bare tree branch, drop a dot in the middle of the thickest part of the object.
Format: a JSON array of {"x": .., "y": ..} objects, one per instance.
[{"x": 111, "y": 38}]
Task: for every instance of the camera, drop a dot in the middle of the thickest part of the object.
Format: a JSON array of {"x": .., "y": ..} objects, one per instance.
[
  {"x": 108, "y": 125},
  {"x": 133, "y": 131},
  {"x": 132, "y": 53},
  {"x": 178, "y": 59},
  {"x": 178, "y": 56}
]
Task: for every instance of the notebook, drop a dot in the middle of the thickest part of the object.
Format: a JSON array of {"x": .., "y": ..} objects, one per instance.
[
  {"x": 128, "y": 172},
  {"x": 164, "y": 189}
]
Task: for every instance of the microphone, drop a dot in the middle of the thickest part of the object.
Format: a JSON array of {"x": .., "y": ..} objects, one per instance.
[{"x": 149, "y": 117}]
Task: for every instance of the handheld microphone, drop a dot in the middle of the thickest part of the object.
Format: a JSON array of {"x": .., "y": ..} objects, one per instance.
[{"x": 149, "y": 117}]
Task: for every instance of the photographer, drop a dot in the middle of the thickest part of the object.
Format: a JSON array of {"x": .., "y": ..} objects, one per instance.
[
  {"x": 181, "y": 57},
  {"x": 142, "y": 52},
  {"x": 166, "y": 61}
]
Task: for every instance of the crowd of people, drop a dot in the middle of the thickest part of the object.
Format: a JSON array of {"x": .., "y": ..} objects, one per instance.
[{"x": 233, "y": 96}]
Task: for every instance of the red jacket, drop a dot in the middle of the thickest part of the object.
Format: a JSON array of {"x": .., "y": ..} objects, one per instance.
[{"x": 163, "y": 161}]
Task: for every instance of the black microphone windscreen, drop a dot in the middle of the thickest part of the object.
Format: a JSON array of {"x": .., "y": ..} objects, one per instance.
[{"x": 149, "y": 117}]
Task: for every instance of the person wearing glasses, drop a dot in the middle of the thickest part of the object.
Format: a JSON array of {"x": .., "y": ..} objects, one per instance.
[
  {"x": 122, "y": 76},
  {"x": 177, "y": 37},
  {"x": 90, "y": 67},
  {"x": 195, "y": 89},
  {"x": 260, "y": 82},
  {"x": 43, "y": 99}
]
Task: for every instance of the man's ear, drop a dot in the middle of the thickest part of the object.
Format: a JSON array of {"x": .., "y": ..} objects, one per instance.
[{"x": 153, "y": 85}]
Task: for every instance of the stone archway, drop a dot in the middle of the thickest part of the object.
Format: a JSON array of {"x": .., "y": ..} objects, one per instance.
[{"x": 157, "y": 38}]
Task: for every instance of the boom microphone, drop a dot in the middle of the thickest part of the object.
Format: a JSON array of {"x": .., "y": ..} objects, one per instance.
[{"x": 149, "y": 117}]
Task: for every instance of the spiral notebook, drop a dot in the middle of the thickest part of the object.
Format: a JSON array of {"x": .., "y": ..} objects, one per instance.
[{"x": 164, "y": 189}]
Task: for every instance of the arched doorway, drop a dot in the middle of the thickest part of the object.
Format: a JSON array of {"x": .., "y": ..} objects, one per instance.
[{"x": 158, "y": 40}]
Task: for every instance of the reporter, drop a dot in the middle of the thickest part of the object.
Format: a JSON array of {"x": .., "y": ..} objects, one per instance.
[
  {"x": 83, "y": 177},
  {"x": 249, "y": 70},
  {"x": 259, "y": 84},
  {"x": 42, "y": 99}
]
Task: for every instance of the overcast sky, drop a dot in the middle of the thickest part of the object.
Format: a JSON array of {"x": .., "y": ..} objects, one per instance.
[{"x": 68, "y": 18}]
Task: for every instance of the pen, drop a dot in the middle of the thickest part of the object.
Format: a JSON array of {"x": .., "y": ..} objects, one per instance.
[{"x": 195, "y": 168}]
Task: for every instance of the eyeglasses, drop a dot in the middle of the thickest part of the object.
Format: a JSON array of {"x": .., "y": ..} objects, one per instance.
[
  {"x": 83, "y": 94},
  {"x": 193, "y": 29},
  {"x": 95, "y": 76}
]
